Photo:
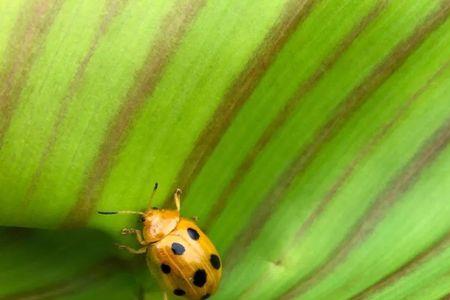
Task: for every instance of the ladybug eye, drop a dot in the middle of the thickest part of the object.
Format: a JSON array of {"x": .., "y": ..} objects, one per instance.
[{"x": 142, "y": 219}]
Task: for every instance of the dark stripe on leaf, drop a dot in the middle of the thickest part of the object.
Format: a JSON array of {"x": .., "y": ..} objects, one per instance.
[
  {"x": 287, "y": 111},
  {"x": 360, "y": 156},
  {"x": 366, "y": 151},
  {"x": 323, "y": 135},
  {"x": 24, "y": 46},
  {"x": 175, "y": 25},
  {"x": 113, "y": 8},
  {"x": 385, "y": 200},
  {"x": 295, "y": 12},
  {"x": 411, "y": 266}
]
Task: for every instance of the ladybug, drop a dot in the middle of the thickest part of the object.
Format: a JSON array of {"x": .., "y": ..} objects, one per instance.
[{"x": 178, "y": 253}]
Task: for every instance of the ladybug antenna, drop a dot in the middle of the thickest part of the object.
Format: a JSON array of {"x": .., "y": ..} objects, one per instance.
[
  {"x": 155, "y": 187},
  {"x": 121, "y": 212}
]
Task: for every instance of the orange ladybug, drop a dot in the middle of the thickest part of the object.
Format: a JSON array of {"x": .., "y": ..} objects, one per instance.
[{"x": 177, "y": 251}]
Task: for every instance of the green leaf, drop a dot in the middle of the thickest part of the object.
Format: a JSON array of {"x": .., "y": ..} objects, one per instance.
[
  {"x": 310, "y": 137},
  {"x": 40, "y": 264}
]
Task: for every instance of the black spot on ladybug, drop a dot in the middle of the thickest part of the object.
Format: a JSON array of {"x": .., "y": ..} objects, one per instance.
[
  {"x": 193, "y": 234},
  {"x": 165, "y": 268},
  {"x": 179, "y": 292},
  {"x": 206, "y": 296},
  {"x": 215, "y": 261},
  {"x": 200, "y": 277},
  {"x": 178, "y": 249}
]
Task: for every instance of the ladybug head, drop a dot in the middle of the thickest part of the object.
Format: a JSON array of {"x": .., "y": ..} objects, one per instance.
[{"x": 158, "y": 223}]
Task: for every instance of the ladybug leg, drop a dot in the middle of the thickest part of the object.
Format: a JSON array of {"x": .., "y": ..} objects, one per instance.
[
  {"x": 165, "y": 296},
  {"x": 138, "y": 233},
  {"x": 176, "y": 198},
  {"x": 131, "y": 250}
]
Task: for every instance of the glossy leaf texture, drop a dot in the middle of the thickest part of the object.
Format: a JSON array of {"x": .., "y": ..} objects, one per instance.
[{"x": 310, "y": 137}]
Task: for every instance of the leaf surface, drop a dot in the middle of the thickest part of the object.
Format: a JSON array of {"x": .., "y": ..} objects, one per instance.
[{"x": 310, "y": 137}]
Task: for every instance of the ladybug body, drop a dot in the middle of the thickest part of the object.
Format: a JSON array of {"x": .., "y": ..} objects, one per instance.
[
  {"x": 186, "y": 261},
  {"x": 178, "y": 253}
]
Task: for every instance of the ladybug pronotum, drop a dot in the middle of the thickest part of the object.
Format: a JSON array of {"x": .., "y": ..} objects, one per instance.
[{"x": 178, "y": 253}]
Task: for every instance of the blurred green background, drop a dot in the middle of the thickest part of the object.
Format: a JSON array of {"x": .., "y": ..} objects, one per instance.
[{"x": 310, "y": 137}]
